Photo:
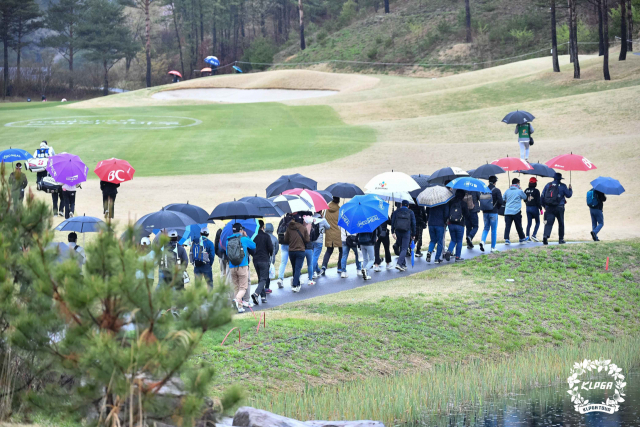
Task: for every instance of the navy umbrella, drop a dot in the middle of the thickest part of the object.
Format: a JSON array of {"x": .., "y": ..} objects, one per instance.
[
  {"x": 518, "y": 118},
  {"x": 344, "y": 190},
  {"x": 265, "y": 206},
  {"x": 423, "y": 182},
  {"x": 539, "y": 169},
  {"x": 446, "y": 174},
  {"x": 199, "y": 215},
  {"x": 81, "y": 224},
  {"x": 289, "y": 182},
  {"x": 607, "y": 185},
  {"x": 485, "y": 171},
  {"x": 164, "y": 219},
  {"x": 235, "y": 210},
  {"x": 326, "y": 195}
]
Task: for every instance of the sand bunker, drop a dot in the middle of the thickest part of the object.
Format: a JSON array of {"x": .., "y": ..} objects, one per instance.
[{"x": 241, "y": 96}]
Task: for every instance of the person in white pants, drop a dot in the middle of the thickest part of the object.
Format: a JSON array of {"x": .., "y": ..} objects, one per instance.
[{"x": 524, "y": 132}]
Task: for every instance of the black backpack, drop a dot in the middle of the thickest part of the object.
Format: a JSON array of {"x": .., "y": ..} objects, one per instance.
[
  {"x": 315, "y": 232},
  {"x": 282, "y": 228},
  {"x": 403, "y": 220},
  {"x": 366, "y": 239},
  {"x": 552, "y": 195},
  {"x": 455, "y": 213}
]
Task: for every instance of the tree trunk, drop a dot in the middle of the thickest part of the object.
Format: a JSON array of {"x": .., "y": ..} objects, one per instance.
[
  {"x": 574, "y": 25},
  {"x": 554, "y": 38},
  {"x": 600, "y": 38},
  {"x": 105, "y": 89},
  {"x": 630, "y": 26},
  {"x": 570, "y": 31},
  {"x": 5, "y": 69},
  {"x": 303, "y": 46},
  {"x": 175, "y": 24},
  {"x": 18, "y": 56},
  {"x": 386, "y": 6},
  {"x": 623, "y": 31},
  {"x": 147, "y": 47},
  {"x": 71, "y": 67},
  {"x": 467, "y": 11},
  {"x": 201, "y": 23},
  {"x": 605, "y": 38}
]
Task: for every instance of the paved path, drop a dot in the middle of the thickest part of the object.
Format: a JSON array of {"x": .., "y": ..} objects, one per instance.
[{"x": 332, "y": 282}]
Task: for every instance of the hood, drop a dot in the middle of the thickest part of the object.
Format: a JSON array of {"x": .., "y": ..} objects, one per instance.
[
  {"x": 293, "y": 225},
  {"x": 268, "y": 228},
  {"x": 334, "y": 207}
]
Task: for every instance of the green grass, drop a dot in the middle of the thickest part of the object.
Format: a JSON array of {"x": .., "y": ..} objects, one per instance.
[{"x": 231, "y": 138}]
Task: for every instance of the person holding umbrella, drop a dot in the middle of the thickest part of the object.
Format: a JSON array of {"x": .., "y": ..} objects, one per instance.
[
  {"x": 534, "y": 208},
  {"x": 238, "y": 248},
  {"x": 333, "y": 236},
  {"x": 202, "y": 256},
  {"x": 17, "y": 182},
  {"x": 403, "y": 228},
  {"x": 554, "y": 198},
  {"x": 522, "y": 120},
  {"x": 296, "y": 237},
  {"x": 73, "y": 245},
  {"x": 512, "y": 212},
  {"x": 595, "y": 201},
  {"x": 262, "y": 262},
  {"x": 173, "y": 256},
  {"x": 490, "y": 207},
  {"x": 458, "y": 211}
]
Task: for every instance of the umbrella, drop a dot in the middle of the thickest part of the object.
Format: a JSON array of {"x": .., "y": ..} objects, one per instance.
[
  {"x": 267, "y": 208},
  {"x": 607, "y": 185},
  {"x": 413, "y": 253},
  {"x": 206, "y": 70},
  {"x": 235, "y": 210},
  {"x": 423, "y": 182},
  {"x": 512, "y": 164},
  {"x": 175, "y": 73},
  {"x": 392, "y": 186},
  {"x": 446, "y": 174},
  {"x": 434, "y": 196},
  {"x": 212, "y": 60},
  {"x": 539, "y": 169},
  {"x": 81, "y": 224},
  {"x": 326, "y": 194},
  {"x": 14, "y": 155},
  {"x": 164, "y": 219},
  {"x": 250, "y": 226},
  {"x": 363, "y": 214},
  {"x": 67, "y": 169},
  {"x": 289, "y": 203},
  {"x": 199, "y": 215},
  {"x": 571, "y": 162},
  {"x": 485, "y": 171},
  {"x": 518, "y": 117},
  {"x": 114, "y": 170},
  {"x": 469, "y": 184},
  {"x": 344, "y": 190},
  {"x": 289, "y": 182},
  {"x": 238, "y": 70},
  {"x": 313, "y": 197}
]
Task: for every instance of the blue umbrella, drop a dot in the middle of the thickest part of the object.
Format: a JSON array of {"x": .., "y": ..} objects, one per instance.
[
  {"x": 212, "y": 60},
  {"x": 607, "y": 185},
  {"x": 81, "y": 224},
  {"x": 413, "y": 253},
  {"x": 363, "y": 214},
  {"x": 14, "y": 155},
  {"x": 469, "y": 184},
  {"x": 237, "y": 69},
  {"x": 250, "y": 226}
]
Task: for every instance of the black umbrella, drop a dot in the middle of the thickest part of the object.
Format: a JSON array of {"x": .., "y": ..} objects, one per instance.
[
  {"x": 199, "y": 215},
  {"x": 235, "y": 210},
  {"x": 164, "y": 219},
  {"x": 265, "y": 206},
  {"x": 518, "y": 118},
  {"x": 539, "y": 169},
  {"x": 344, "y": 190},
  {"x": 326, "y": 195},
  {"x": 485, "y": 171},
  {"x": 289, "y": 182},
  {"x": 446, "y": 174},
  {"x": 81, "y": 224},
  {"x": 423, "y": 182}
]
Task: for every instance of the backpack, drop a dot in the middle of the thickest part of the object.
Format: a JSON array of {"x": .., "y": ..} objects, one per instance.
[
  {"x": 552, "y": 195},
  {"x": 403, "y": 220},
  {"x": 315, "y": 232},
  {"x": 169, "y": 258},
  {"x": 455, "y": 213},
  {"x": 468, "y": 198},
  {"x": 365, "y": 238},
  {"x": 486, "y": 202},
  {"x": 199, "y": 255},
  {"x": 352, "y": 240},
  {"x": 592, "y": 198},
  {"x": 235, "y": 251},
  {"x": 216, "y": 243},
  {"x": 282, "y": 228}
]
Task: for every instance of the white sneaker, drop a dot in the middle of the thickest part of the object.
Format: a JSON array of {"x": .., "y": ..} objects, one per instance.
[
  {"x": 247, "y": 303},
  {"x": 238, "y": 306},
  {"x": 311, "y": 283},
  {"x": 363, "y": 273},
  {"x": 315, "y": 275},
  {"x": 280, "y": 285},
  {"x": 366, "y": 276},
  {"x": 344, "y": 275},
  {"x": 389, "y": 266},
  {"x": 377, "y": 268}
]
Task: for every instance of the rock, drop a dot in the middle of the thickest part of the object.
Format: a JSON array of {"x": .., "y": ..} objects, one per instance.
[
  {"x": 359, "y": 423},
  {"x": 247, "y": 416}
]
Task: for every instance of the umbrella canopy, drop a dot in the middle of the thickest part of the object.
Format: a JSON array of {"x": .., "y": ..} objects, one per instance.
[
  {"x": 289, "y": 182},
  {"x": 423, "y": 182},
  {"x": 469, "y": 184},
  {"x": 289, "y": 203},
  {"x": 344, "y": 190},
  {"x": 392, "y": 186},
  {"x": 235, "y": 210},
  {"x": 67, "y": 169},
  {"x": 607, "y": 185},
  {"x": 512, "y": 164},
  {"x": 446, "y": 174},
  {"x": 199, "y": 215},
  {"x": 435, "y": 196},
  {"x": 164, "y": 219},
  {"x": 114, "y": 170},
  {"x": 238, "y": 69},
  {"x": 539, "y": 169},
  {"x": 571, "y": 162},
  {"x": 313, "y": 197},
  {"x": 485, "y": 171},
  {"x": 175, "y": 73},
  {"x": 518, "y": 118},
  {"x": 267, "y": 208},
  {"x": 326, "y": 194},
  {"x": 81, "y": 224},
  {"x": 212, "y": 60},
  {"x": 206, "y": 70},
  {"x": 14, "y": 155},
  {"x": 363, "y": 214},
  {"x": 250, "y": 226}
]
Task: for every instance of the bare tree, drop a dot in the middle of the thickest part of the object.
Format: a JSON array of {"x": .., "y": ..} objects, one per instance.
[
  {"x": 174, "y": 13},
  {"x": 630, "y": 26},
  {"x": 144, "y": 5},
  {"x": 386, "y": 6},
  {"x": 302, "y": 43},
  {"x": 605, "y": 37},
  {"x": 623, "y": 31},
  {"x": 467, "y": 11},
  {"x": 573, "y": 35},
  {"x": 554, "y": 38}
]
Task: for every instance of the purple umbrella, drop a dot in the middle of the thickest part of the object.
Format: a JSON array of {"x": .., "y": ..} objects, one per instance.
[{"x": 67, "y": 169}]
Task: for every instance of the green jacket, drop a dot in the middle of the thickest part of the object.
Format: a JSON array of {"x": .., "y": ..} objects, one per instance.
[{"x": 17, "y": 184}]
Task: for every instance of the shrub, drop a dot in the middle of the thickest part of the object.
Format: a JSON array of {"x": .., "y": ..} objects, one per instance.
[
  {"x": 443, "y": 27},
  {"x": 388, "y": 42},
  {"x": 522, "y": 37},
  {"x": 261, "y": 50},
  {"x": 348, "y": 13},
  {"x": 372, "y": 53}
]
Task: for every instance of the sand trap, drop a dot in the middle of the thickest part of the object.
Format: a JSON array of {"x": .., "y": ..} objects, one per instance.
[{"x": 241, "y": 96}]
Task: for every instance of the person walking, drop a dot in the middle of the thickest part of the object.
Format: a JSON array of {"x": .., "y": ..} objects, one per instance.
[
  {"x": 490, "y": 207},
  {"x": 403, "y": 228},
  {"x": 109, "y": 193},
  {"x": 420, "y": 213},
  {"x": 69, "y": 199},
  {"x": 148, "y": 256},
  {"x": 262, "y": 262},
  {"x": 437, "y": 220},
  {"x": 318, "y": 228},
  {"x": 296, "y": 237},
  {"x": 284, "y": 254},
  {"x": 349, "y": 243},
  {"x": 44, "y": 152},
  {"x": 17, "y": 183},
  {"x": 554, "y": 198},
  {"x": 239, "y": 246},
  {"x": 203, "y": 252},
  {"x": 524, "y": 132},
  {"x": 307, "y": 220},
  {"x": 472, "y": 198},
  {"x": 268, "y": 228},
  {"x": 173, "y": 260},
  {"x": 333, "y": 235},
  {"x": 367, "y": 242},
  {"x": 458, "y": 211},
  {"x": 595, "y": 201},
  {"x": 534, "y": 208},
  {"x": 222, "y": 255},
  {"x": 72, "y": 238},
  {"x": 513, "y": 211},
  {"x": 383, "y": 239}
]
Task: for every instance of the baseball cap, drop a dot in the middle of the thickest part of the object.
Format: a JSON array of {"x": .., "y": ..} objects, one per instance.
[
  {"x": 405, "y": 203},
  {"x": 533, "y": 180},
  {"x": 145, "y": 241},
  {"x": 173, "y": 233},
  {"x": 204, "y": 231},
  {"x": 237, "y": 227}
]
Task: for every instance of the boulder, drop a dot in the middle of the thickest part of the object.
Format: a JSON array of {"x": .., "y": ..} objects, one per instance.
[
  {"x": 359, "y": 423},
  {"x": 247, "y": 416}
]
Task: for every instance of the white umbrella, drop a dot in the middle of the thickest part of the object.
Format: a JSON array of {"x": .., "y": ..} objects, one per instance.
[
  {"x": 289, "y": 203},
  {"x": 434, "y": 196},
  {"x": 392, "y": 186}
]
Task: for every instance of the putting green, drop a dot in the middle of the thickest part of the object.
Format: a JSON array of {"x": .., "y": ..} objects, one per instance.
[{"x": 195, "y": 139}]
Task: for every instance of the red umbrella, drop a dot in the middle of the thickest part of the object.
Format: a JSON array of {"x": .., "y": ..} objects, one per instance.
[
  {"x": 512, "y": 164},
  {"x": 175, "y": 73},
  {"x": 311, "y": 196},
  {"x": 571, "y": 162},
  {"x": 204, "y": 70},
  {"x": 114, "y": 170}
]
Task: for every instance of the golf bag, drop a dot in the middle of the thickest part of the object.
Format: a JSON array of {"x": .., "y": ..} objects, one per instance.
[
  {"x": 37, "y": 164},
  {"x": 49, "y": 185}
]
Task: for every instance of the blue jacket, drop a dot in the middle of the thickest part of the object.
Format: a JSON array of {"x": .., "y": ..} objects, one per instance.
[
  {"x": 565, "y": 193},
  {"x": 513, "y": 198},
  {"x": 209, "y": 247},
  {"x": 247, "y": 245},
  {"x": 439, "y": 215},
  {"x": 413, "y": 221}
]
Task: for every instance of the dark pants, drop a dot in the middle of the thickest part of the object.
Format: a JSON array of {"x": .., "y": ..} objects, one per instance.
[
  {"x": 515, "y": 219},
  {"x": 262, "y": 268},
  {"x": 297, "y": 259},
  {"x": 108, "y": 200},
  {"x": 533, "y": 214},
  {"x": 68, "y": 203},
  {"x": 206, "y": 271},
  {"x": 437, "y": 238},
  {"x": 550, "y": 216},
  {"x": 384, "y": 241},
  {"x": 457, "y": 233},
  {"x": 327, "y": 255},
  {"x": 404, "y": 240},
  {"x": 419, "y": 231},
  {"x": 471, "y": 221}
]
